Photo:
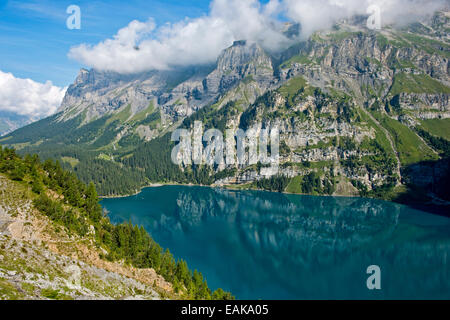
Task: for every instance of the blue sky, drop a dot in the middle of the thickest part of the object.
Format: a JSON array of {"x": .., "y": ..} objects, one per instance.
[
  {"x": 34, "y": 39},
  {"x": 35, "y": 42}
]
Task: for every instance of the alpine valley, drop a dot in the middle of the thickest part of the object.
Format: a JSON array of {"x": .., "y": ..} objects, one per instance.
[{"x": 360, "y": 112}]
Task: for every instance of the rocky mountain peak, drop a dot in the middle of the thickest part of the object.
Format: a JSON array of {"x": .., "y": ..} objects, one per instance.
[
  {"x": 82, "y": 77},
  {"x": 292, "y": 30},
  {"x": 355, "y": 102},
  {"x": 238, "y": 43},
  {"x": 241, "y": 53},
  {"x": 242, "y": 60}
]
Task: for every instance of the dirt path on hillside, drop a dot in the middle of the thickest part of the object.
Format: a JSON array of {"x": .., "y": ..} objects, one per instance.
[{"x": 391, "y": 142}]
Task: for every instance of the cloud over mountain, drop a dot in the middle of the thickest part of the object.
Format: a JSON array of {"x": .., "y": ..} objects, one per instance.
[
  {"x": 26, "y": 97},
  {"x": 320, "y": 14},
  {"x": 143, "y": 46}
]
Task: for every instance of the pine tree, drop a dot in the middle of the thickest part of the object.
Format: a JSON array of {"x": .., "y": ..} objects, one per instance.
[
  {"x": 37, "y": 186},
  {"x": 93, "y": 208},
  {"x": 18, "y": 172}
]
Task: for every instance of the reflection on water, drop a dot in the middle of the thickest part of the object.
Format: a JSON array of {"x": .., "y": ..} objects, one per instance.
[{"x": 274, "y": 246}]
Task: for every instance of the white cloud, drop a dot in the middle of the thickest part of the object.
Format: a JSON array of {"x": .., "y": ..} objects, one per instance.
[
  {"x": 143, "y": 46},
  {"x": 26, "y": 97},
  {"x": 320, "y": 14}
]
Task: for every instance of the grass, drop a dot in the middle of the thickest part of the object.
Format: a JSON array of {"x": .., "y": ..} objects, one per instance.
[
  {"x": 301, "y": 59},
  {"x": 248, "y": 79},
  {"x": 73, "y": 110},
  {"x": 395, "y": 193},
  {"x": 339, "y": 36},
  {"x": 295, "y": 186},
  {"x": 375, "y": 61},
  {"x": 410, "y": 83},
  {"x": 104, "y": 157},
  {"x": 316, "y": 37},
  {"x": 50, "y": 293},
  {"x": 382, "y": 41},
  {"x": 72, "y": 161},
  {"x": 321, "y": 164},
  {"x": 428, "y": 45},
  {"x": 437, "y": 127},
  {"x": 401, "y": 64},
  {"x": 19, "y": 146},
  {"x": 411, "y": 149},
  {"x": 380, "y": 136},
  {"x": 122, "y": 116},
  {"x": 292, "y": 88},
  {"x": 140, "y": 116},
  {"x": 8, "y": 291},
  {"x": 28, "y": 287},
  {"x": 246, "y": 186},
  {"x": 320, "y": 145}
]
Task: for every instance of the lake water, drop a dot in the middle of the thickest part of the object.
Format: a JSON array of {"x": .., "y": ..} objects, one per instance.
[{"x": 262, "y": 245}]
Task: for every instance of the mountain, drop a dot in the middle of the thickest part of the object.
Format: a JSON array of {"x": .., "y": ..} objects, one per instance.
[
  {"x": 360, "y": 112},
  {"x": 135, "y": 99},
  {"x": 56, "y": 243},
  {"x": 10, "y": 121}
]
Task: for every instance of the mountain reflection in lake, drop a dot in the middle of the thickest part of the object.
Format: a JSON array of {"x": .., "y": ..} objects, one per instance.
[{"x": 262, "y": 245}]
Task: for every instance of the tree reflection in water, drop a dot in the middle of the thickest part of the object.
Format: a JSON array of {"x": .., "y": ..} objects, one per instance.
[{"x": 276, "y": 246}]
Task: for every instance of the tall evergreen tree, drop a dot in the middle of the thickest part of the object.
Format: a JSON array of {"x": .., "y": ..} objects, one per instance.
[{"x": 93, "y": 207}]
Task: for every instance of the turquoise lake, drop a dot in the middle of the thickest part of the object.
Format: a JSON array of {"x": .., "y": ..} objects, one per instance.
[{"x": 262, "y": 245}]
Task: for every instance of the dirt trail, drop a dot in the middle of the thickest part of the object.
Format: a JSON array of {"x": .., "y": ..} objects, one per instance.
[
  {"x": 391, "y": 142},
  {"x": 27, "y": 233}
]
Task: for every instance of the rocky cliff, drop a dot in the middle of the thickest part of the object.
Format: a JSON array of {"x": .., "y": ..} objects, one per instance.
[
  {"x": 41, "y": 260},
  {"x": 355, "y": 107}
]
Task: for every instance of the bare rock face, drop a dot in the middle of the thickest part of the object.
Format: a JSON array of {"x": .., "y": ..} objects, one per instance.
[
  {"x": 352, "y": 59},
  {"x": 10, "y": 121},
  {"x": 99, "y": 93},
  {"x": 177, "y": 93},
  {"x": 341, "y": 100},
  {"x": 238, "y": 62}
]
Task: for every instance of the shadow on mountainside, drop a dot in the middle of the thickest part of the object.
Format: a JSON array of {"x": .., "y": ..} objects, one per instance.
[{"x": 428, "y": 186}]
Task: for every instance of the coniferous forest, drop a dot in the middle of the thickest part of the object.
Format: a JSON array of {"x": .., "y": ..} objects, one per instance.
[{"x": 79, "y": 211}]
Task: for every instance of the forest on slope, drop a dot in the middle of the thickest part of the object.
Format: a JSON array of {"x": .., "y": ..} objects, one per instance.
[
  {"x": 74, "y": 207},
  {"x": 362, "y": 112}
]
